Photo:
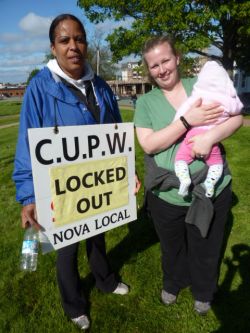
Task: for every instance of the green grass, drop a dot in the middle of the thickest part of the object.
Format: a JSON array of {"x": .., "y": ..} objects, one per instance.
[
  {"x": 30, "y": 302},
  {"x": 9, "y": 112},
  {"x": 9, "y": 108},
  {"x": 6, "y": 120}
]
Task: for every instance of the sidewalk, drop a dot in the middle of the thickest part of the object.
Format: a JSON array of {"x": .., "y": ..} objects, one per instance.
[
  {"x": 246, "y": 122},
  {"x": 9, "y": 125}
]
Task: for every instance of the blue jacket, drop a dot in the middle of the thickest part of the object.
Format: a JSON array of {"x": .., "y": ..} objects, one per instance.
[{"x": 48, "y": 103}]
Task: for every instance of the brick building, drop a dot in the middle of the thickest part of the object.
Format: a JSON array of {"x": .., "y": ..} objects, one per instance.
[{"x": 12, "y": 91}]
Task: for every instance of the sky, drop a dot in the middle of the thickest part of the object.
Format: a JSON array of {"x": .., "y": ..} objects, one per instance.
[{"x": 24, "y": 41}]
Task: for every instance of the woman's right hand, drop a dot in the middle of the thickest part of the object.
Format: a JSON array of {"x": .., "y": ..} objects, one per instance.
[
  {"x": 199, "y": 114},
  {"x": 29, "y": 216}
]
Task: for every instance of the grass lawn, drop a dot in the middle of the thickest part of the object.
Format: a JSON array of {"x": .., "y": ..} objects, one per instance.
[
  {"x": 9, "y": 112},
  {"x": 30, "y": 302},
  {"x": 9, "y": 108}
]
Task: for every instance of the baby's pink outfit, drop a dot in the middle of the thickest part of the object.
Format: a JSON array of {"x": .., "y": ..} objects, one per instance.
[{"x": 184, "y": 151}]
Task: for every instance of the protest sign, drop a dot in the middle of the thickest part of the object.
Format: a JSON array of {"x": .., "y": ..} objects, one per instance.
[{"x": 84, "y": 180}]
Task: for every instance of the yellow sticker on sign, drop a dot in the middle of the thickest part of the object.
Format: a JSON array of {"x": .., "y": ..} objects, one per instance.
[{"x": 82, "y": 190}]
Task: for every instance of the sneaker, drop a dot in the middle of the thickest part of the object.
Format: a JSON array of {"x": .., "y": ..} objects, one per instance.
[
  {"x": 202, "y": 307},
  {"x": 82, "y": 322},
  {"x": 121, "y": 289},
  {"x": 168, "y": 298}
]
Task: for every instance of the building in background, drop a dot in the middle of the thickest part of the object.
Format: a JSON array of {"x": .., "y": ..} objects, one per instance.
[
  {"x": 130, "y": 81},
  {"x": 12, "y": 90},
  {"x": 131, "y": 71}
]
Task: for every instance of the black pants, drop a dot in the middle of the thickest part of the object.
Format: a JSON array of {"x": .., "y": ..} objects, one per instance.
[
  {"x": 73, "y": 301},
  {"x": 187, "y": 258}
]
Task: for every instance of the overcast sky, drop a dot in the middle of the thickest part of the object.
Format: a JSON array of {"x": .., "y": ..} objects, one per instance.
[{"x": 24, "y": 27}]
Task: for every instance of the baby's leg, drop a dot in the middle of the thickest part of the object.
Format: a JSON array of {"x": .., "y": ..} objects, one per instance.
[
  {"x": 215, "y": 163},
  {"x": 182, "y": 159},
  {"x": 213, "y": 175},
  {"x": 182, "y": 172}
]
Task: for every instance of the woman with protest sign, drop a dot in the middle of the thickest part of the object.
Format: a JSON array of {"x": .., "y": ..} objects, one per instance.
[
  {"x": 66, "y": 92},
  {"x": 190, "y": 238}
]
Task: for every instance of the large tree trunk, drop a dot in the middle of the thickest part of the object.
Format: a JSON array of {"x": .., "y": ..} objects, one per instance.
[{"x": 229, "y": 28}]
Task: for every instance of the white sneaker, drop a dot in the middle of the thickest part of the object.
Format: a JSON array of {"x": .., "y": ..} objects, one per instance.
[
  {"x": 168, "y": 298},
  {"x": 82, "y": 322},
  {"x": 121, "y": 289},
  {"x": 202, "y": 307}
]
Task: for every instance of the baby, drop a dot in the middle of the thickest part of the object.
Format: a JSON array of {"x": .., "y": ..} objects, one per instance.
[{"x": 213, "y": 85}]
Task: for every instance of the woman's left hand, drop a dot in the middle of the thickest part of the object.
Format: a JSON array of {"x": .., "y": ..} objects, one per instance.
[
  {"x": 201, "y": 146},
  {"x": 137, "y": 184}
]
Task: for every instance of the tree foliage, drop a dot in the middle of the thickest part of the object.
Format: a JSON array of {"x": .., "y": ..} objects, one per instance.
[
  {"x": 48, "y": 56},
  {"x": 32, "y": 74},
  {"x": 195, "y": 25}
]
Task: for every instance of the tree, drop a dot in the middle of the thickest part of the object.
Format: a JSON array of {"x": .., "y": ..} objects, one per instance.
[
  {"x": 195, "y": 25},
  {"x": 32, "y": 74},
  {"x": 48, "y": 56},
  {"x": 189, "y": 66},
  {"x": 100, "y": 56},
  {"x": 100, "y": 60}
]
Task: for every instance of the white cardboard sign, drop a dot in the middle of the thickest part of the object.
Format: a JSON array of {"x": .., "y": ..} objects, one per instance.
[{"x": 84, "y": 180}]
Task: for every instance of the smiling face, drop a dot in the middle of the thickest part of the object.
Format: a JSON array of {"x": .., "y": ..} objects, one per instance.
[
  {"x": 163, "y": 65},
  {"x": 70, "y": 48}
]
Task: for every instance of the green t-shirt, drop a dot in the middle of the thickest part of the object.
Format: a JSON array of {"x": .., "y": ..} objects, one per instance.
[{"x": 154, "y": 111}]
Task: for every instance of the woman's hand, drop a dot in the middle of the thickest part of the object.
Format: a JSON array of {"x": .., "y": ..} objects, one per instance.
[
  {"x": 201, "y": 145},
  {"x": 137, "y": 184},
  {"x": 29, "y": 216},
  {"x": 199, "y": 114}
]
